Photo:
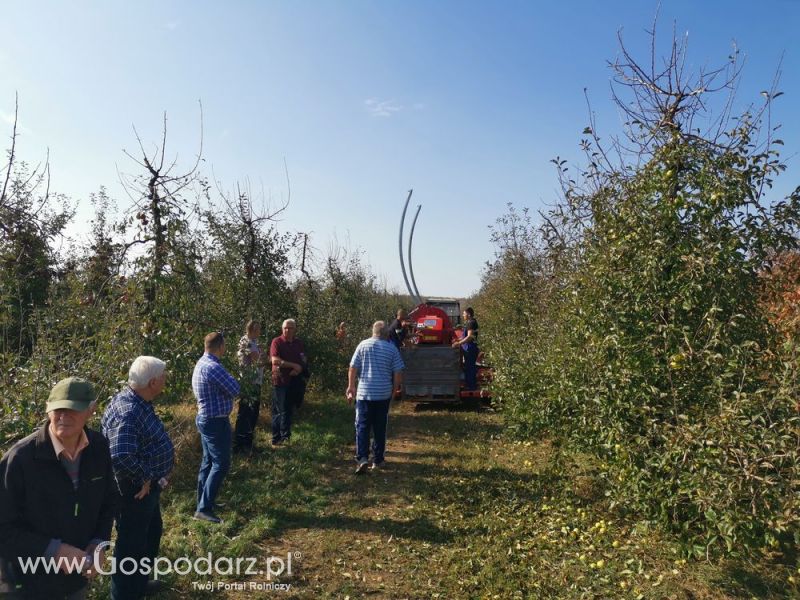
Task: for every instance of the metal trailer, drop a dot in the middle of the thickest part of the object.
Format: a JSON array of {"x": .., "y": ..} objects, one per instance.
[{"x": 432, "y": 373}]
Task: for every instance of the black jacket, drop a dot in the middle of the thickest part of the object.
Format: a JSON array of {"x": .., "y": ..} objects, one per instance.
[{"x": 38, "y": 503}]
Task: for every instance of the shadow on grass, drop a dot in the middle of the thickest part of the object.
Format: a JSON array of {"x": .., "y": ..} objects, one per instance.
[
  {"x": 461, "y": 424},
  {"x": 443, "y": 484},
  {"x": 418, "y": 481},
  {"x": 466, "y": 405},
  {"x": 760, "y": 582},
  {"x": 420, "y": 528},
  {"x": 751, "y": 582}
]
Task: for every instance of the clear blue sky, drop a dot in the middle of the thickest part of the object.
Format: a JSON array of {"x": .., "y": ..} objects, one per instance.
[{"x": 466, "y": 102}]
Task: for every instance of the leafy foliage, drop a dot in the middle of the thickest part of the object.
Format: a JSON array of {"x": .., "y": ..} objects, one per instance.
[
  {"x": 649, "y": 346},
  {"x": 30, "y": 219},
  {"x": 344, "y": 291},
  {"x": 155, "y": 282}
]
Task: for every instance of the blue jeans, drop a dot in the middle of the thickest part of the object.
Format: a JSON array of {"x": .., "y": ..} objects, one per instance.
[
  {"x": 371, "y": 415},
  {"x": 215, "y": 436},
  {"x": 138, "y": 536},
  {"x": 470, "y": 368},
  {"x": 281, "y": 414}
]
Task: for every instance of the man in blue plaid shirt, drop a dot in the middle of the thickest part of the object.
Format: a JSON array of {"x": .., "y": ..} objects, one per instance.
[
  {"x": 142, "y": 456},
  {"x": 215, "y": 390}
]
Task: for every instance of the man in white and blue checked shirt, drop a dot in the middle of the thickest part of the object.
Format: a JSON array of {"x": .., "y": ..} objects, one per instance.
[
  {"x": 379, "y": 369},
  {"x": 215, "y": 390},
  {"x": 142, "y": 456}
]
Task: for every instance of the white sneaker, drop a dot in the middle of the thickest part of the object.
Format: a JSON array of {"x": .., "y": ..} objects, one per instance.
[{"x": 362, "y": 467}]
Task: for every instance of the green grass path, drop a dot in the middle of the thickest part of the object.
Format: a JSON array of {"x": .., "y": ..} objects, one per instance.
[{"x": 460, "y": 511}]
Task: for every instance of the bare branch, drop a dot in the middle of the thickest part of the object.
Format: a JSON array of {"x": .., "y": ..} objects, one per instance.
[
  {"x": 163, "y": 143},
  {"x": 12, "y": 151}
]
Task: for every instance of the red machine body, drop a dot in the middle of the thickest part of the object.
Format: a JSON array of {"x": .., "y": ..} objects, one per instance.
[{"x": 431, "y": 325}]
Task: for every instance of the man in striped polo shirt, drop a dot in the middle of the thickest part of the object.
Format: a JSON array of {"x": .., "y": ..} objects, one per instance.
[{"x": 378, "y": 367}]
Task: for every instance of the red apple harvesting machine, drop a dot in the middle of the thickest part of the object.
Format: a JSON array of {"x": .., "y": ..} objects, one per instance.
[{"x": 433, "y": 367}]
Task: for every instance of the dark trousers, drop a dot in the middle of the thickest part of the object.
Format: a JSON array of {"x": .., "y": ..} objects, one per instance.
[
  {"x": 281, "y": 414},
  {"x": 371, "y": 415},
  {"x": 247, "y": 418},
  {"x": 138, "y": 536},
  {"x": 470, "y": 368},
  {"x": 215, "y": 436},
  {"x": 297, "y": 391}
]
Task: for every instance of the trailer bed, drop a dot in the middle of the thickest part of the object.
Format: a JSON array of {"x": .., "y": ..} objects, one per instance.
[{"x": 431, "y": 373}]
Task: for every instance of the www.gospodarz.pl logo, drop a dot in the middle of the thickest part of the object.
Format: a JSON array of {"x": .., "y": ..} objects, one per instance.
[{"x": 271, "y": 567}]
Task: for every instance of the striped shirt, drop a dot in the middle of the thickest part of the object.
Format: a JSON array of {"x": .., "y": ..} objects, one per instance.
[
  {"x": 140, "y": 447},
  {"x": 213, "y": 387},
  {"x": 376, "y": 361}
]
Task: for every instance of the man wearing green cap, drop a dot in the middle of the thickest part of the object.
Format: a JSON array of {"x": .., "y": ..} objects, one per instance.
[{"x": 57, "y": 498}]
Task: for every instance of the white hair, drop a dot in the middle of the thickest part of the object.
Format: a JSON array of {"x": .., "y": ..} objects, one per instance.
[
  {"x": 144, "y": 369},
  {"x": 379, "y": 329},
  {"x": 287, "y": 321}
]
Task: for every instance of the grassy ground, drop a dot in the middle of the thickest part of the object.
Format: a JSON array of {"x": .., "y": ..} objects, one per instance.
[{"x": 459, "y": 512}]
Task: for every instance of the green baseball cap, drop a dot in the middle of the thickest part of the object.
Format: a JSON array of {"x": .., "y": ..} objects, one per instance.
[{"x": 73, "y": 393}]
